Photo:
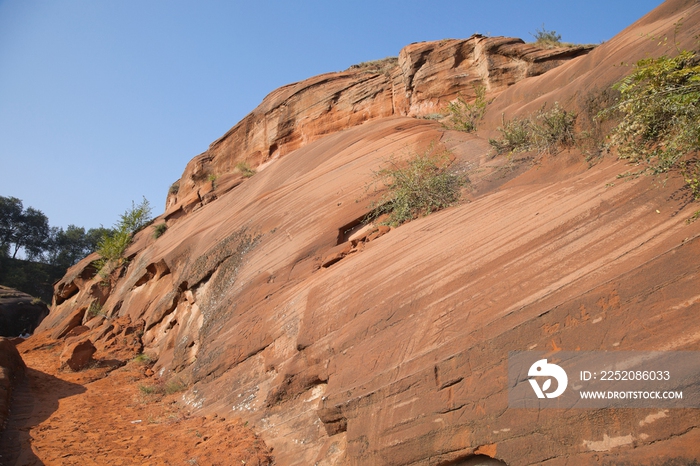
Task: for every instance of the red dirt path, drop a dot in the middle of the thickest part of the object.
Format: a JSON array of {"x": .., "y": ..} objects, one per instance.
[{"x": 97, "y": 417}]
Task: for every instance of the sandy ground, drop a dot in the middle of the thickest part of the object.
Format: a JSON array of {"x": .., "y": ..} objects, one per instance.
[{"x": 113, "y": 416}]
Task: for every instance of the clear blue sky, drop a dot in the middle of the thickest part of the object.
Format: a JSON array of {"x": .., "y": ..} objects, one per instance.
[{"x": 105, "y": 101}]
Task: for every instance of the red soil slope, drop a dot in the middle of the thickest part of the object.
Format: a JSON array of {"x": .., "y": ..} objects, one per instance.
[{"x": 391, "y": 347}]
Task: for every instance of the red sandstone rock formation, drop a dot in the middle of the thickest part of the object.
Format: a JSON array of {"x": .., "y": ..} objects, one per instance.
[
  {"x": 424, "y": 79},
  {"x": 394, "y": 350}
]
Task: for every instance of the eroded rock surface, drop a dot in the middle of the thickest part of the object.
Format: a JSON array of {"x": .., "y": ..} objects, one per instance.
[
  {"x": 341, "y": 345},
  {"x": 422, "y": 81}
]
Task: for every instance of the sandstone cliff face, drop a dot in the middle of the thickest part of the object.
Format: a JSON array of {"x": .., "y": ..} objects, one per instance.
[
  {"x": 424, "y": 79},
  {"x": 372, "y": 347}
]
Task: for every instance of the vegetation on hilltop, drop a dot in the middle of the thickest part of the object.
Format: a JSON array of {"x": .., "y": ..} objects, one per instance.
[
  {"x": 383, "y": 66},
  {"x": 27, "y": 230},
  {"x": 552, "y": 39},
  {"x": 547, "y": 38}
]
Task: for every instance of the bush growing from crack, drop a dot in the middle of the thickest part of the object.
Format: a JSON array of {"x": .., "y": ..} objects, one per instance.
[
  {"x": 417, "y": 188},
  {"x": 660, "y": 126},
  {"x": 465, "y": 115},
  {"x": 159, "y": 229},
  {"x": 515, "y": 136},
  {"x": 596, "y": 120},
  {"x": 142, "y": 358},
  {"x": 547, "y": 132},
  {"x": 113, "y": 244},
  {"x": 174, "y": 188},
  {"x": 245, "y": 169},
  {"x": 95, "y": 309},
  {"x": 554, "y": 129}
]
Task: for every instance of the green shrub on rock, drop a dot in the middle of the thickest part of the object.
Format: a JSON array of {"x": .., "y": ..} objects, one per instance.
[
  {"x": 465, "y": 115},
  {"x": 418, "y": 188},
  {"x": 660, "y": 125},
  {"x": 113, "y": 244},
  {"x": 549, "y": 131}
]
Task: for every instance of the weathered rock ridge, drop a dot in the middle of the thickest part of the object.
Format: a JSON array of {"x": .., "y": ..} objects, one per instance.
[
  {"x": 422, "y": 81},
  {"x": 343, "y": 345}
]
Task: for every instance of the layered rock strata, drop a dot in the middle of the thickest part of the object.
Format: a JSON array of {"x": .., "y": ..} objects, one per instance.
[
  {"x": 421, "y": 82},
  {"x": 344, "y": 344}
]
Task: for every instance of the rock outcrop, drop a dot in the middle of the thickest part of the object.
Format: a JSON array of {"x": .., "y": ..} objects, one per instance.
[
  {"x": 422, "y": 81},
  {"x": 11, "y": 370},
  {"x": 19, "y": 312},
  {"x": 342, "y": 346}
]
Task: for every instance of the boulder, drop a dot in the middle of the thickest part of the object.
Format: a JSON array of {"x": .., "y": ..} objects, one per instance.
[{"x": 77, "y": 355}]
